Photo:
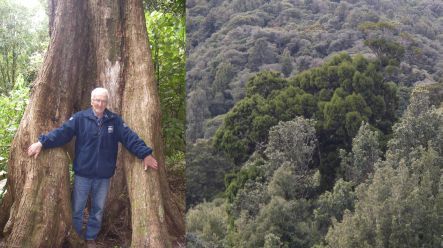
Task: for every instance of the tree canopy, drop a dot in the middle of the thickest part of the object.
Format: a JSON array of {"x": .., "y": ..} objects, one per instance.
[
  {"x": 264, "y": 76},
  {"x": 292, "y": 36},
  {"x": 382, "y": 198},
  {"x": 166, "y": 32},
  {"x": 23, "y": 42},
  {"x": 339, "y": 95}
]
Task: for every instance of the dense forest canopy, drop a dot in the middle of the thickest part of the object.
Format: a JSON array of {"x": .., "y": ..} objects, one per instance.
[
  {"x": 339, "y": 95},
  {"x": 386, "y": 198},
  {"x": 314, "y": 123},
  {"x": 229, "y": 41}
]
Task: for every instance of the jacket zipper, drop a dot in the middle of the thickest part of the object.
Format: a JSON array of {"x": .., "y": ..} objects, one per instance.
[{"x": 98, "y": 146}]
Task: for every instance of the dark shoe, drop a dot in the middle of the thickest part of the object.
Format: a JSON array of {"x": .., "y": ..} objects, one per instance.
[{"x": 90, "y": 244}]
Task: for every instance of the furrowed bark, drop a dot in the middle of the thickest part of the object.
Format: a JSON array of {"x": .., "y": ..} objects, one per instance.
[
  {"x": 151, "y": 201},
  {"x": 107, "y": 27},
  {"x": 36, "y": 209}
]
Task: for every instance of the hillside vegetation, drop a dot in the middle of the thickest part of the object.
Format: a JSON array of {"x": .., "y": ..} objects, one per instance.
[
  {"x": 229, "y": 41},
  {"x": 314, "y": 123}
]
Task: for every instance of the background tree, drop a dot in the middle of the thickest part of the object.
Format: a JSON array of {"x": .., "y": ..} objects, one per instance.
[
  {"x": 339, "y": 94},
  {"x": 22, "y": 45},
  {"x": 383, "y": 39},
  {"x": 260, "y": 53},
  {"x": 166, "y": 30},
  {"x": 206, "y": 225},
  {"x": 402, "y": 195},
  {"x": 286, "y": 62},
  {"x": 207, "y": 168},
  {"x": 358, "y": 164},
  {"x": 196, "y": 115},
  {"x": 418, "y": 127},
  {"x": 12, "y": 107},
  {"x": 291, "y": 149},
  {"x": 396, "y": 198},
  {"x": 220, "y": 95},
  {"x": 176, "y": 7},
  {"x": 282, "y": 182},
  {"x": 332, "y": 205}
]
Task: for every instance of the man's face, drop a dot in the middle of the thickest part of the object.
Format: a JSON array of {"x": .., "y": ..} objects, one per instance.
[{"x": 99, "y": 103}]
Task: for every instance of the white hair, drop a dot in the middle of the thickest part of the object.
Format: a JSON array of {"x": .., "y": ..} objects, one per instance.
[{"x": 99, "y": 91}]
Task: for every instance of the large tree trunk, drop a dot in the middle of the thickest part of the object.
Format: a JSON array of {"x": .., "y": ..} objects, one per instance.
[
  {"x": 88, "y": 49},
  {"x": 36, "y": 209},
  {"x": 107, "y": 27},
  {"x": 141, "y": 104},
  {"x": 141, "y": 111}
]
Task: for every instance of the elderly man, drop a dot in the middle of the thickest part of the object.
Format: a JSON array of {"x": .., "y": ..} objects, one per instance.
[{"x": 97, "y": 132}]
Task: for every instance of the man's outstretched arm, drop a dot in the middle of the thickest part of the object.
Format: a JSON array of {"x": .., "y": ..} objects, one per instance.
[
  {"x": 55, "y": 138},
  {"x": 136, "y": 146}
]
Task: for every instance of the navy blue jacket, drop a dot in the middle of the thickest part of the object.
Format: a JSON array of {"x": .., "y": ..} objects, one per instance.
[{"x": 96, "y": 146}]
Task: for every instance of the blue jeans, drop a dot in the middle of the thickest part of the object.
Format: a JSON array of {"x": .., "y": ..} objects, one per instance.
[{"x": 98, "y": 188}]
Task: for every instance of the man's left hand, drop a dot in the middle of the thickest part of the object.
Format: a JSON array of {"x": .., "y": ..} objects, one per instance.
[{"x": 150, "y": 161}]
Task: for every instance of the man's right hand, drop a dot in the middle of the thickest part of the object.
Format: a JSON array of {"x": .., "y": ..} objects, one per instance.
[{"x": 35, "y": 149}]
